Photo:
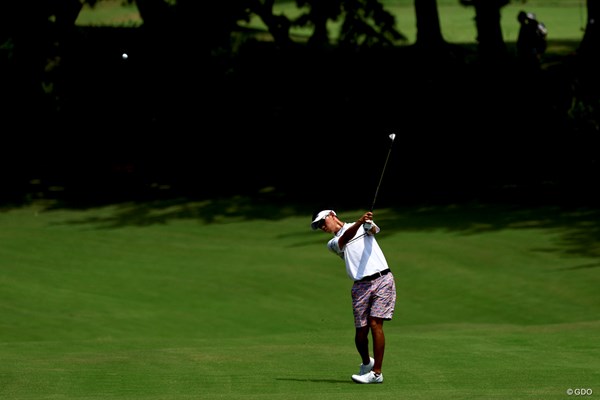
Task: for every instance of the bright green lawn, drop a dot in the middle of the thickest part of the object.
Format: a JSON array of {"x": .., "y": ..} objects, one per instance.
[
  {"x": 564, "y": 21},
  {"x": 563, "y": 18},
  {"x": 232, "y": 300}
]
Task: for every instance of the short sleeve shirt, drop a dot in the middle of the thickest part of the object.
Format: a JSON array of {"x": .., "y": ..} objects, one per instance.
[{"x": 362, "y": 254}]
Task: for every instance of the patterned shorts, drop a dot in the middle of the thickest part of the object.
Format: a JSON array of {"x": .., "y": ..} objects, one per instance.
[{"x": 375, "y": 298}]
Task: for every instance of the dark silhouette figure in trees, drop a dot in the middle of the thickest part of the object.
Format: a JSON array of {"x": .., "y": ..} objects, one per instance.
[{"x": 531, "y": 43}]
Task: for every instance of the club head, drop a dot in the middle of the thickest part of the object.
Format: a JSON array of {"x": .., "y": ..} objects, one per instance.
[{"x": 392, "y": 136}]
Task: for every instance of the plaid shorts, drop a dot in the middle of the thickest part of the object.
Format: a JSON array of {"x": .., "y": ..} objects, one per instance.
[{"x": 375, "y": 298}]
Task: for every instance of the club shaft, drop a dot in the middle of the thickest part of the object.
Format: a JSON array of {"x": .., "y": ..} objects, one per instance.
[{"x": 381, "y": 177}]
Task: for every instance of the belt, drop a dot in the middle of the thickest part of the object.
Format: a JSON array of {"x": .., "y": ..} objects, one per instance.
[{"x": 375, "y": 275}]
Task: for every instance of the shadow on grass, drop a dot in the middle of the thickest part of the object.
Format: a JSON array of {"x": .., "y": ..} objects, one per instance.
[
  {"x": 577, "y": 228},
  {"x": 576, "y": 267},
  {"x": 259, "y": 207}
]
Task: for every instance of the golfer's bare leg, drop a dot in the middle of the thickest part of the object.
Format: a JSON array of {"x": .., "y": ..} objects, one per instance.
[
  {"x": 376, "y": 325},
  {"x": 361, "y": 339}
]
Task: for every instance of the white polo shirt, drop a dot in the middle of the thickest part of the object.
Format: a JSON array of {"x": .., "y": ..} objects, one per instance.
[{"x": 362, "y": 254}]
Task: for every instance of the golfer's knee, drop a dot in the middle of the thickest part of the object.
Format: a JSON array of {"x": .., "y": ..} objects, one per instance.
[{"x": 375, "y": 323}]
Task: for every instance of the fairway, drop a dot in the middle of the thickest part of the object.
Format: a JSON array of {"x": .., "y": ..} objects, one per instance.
[{"x": 235, "y": 299}]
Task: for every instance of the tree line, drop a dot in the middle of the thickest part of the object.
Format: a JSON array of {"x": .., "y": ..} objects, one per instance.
[{"x": 57, "y": 78}]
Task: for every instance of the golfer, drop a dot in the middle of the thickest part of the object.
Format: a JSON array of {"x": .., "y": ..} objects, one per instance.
[{"x": 374, "y": 289}]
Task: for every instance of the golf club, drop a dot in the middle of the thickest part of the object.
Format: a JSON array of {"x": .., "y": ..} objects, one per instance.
[{"x": 392, "y": 136}]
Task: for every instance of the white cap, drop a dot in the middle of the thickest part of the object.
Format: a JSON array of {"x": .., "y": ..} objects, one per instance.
[{"x": 319, "y": 216}]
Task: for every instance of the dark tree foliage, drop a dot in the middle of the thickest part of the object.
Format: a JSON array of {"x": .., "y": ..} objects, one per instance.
[
  {"x": 278, "y": 25},
  {"x": 192, "y": 67},
  {"x": 317, "y": 16},
  {"x": 33, "y": 34},
  {"x": 367, "y": 23},
  {"x": 585, "y": 105},
  {"x": 208, "y": 25}
]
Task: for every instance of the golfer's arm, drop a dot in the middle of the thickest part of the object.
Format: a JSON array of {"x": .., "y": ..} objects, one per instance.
[{"x": 349, "y": 234}]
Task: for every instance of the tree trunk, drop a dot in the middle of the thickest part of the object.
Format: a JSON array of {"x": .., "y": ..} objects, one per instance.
[
  {"x": 429, "y": 34},
  {"x": 490, "y": 41},
  {"x": 590, "y": 44}
]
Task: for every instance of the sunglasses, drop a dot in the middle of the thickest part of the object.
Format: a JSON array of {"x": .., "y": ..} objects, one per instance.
[{"x": 321, "y": 223}]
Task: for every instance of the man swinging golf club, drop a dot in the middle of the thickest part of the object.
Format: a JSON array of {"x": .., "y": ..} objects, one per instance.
[{"x": 373, "y": 291}]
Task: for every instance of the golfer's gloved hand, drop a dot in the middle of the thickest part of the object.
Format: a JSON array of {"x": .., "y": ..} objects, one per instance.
[{"x": 367, "y": 220}]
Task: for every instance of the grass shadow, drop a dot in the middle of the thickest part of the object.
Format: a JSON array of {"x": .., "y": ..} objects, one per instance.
[{"x": 577, "y": 227}]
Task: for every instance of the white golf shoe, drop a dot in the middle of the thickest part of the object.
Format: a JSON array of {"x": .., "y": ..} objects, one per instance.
[
  {"x": 366, "y": 368},
  {"x": 369, "y": 377}
]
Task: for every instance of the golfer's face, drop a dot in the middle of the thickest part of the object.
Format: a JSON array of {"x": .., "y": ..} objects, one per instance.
[{"x": 325, "y": 224}]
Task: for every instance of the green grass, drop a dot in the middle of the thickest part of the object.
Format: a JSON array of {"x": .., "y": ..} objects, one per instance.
[
  {"x": 563, "y": 18},
  {"x": 233, "y": 300},
  {"x": 457, "y": 24},
  {"x": 109, "y": 13}
]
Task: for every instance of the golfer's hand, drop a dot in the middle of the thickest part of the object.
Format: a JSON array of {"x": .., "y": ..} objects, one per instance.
[
  {"x": 368, "y": 216},
  {"x": 367, "y": 222}
]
